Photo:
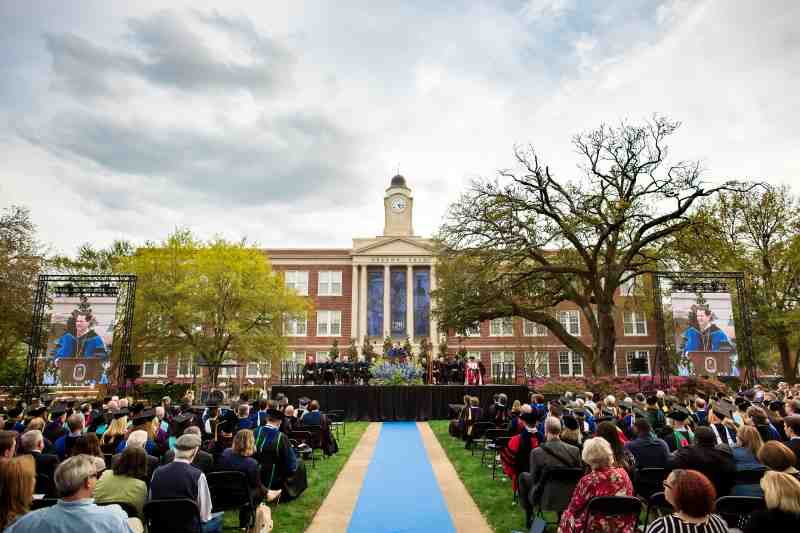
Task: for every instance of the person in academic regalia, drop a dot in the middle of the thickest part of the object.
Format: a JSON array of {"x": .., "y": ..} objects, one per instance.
[
  {"x": 55, "y": 429},
  {"x": 436, "y": 371},
  {"x": 703, "y": 335},
  {"x": 516, "y": 456},
  {"x": 723, "y": 433},
  {"x": 626, "y": 420},
  {"x": 472, "y": 415},
  {"x": 328, "y": 373},
  {"x": 679, "y": 435},
  {"x": 473, "y": 373},
  {"x": 280, "y": 468},
  {"x": 309, "y": 371},
  {"x": 80, "y": 340}
]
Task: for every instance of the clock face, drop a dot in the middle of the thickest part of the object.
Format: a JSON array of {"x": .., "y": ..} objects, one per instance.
[{"x": 398, "y": 204}]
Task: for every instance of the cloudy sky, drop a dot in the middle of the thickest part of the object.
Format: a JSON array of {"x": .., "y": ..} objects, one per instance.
[{"x": 285, "y": 122}]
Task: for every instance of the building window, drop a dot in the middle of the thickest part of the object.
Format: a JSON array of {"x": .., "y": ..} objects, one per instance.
[
  {"x": 502, "y": 327},
  {"x": 228, "y": 371},
  {"x": 537, "y": 364},
  {"x": 638, "y": 362},
  {"x": 532, "y": 329},
  {"x": 473, "y": 331},
  {"x": 570, "y": 364},
  {"x": 571, "y": 322},
  {"x": 628, "y": 287},
  {"x": 634, "y": 323},
  {"x": 475, "y": 354},
  {"x": 329, "y": 323},
  {"x": 323, "y": 357},
  {"x": 296, "y": 326},
  {"x": 155, "y": 368},
  {"x": 297, "y": 357},
  {"x": 330, "y": 283},
  {"x": 259, "y": 369},
  {"x": 297, "y": 280},
  {"x": 503, "y": 366},
  {"x": 184, "y": 367}
]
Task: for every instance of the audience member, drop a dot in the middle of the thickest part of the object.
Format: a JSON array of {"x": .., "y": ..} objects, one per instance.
[
  {"x": 779, "y": 457},
  {"x": 290, "y": 420},
  {"x": 745, "y": 457},
  {"x": 623, "y": 458},
  {"x": 692, "y": 496},
  {"x": 757, "y": 418},
  {"x": 179, "y": 479},
  {"x": 202, "y": 460},
  {"x": 571, "y": 433},
  {"x": 125, "y": 481},
  {"x": 704, "y": 455},
  {"x": 17, "y": 481},
  {"x": 76, "y": 512},
  {"x": 32, "y": 442},
  {"x": 240, "y": 458},
  {"x": 516, "y": 455},
  {"x": 8, "y": 444},
  {"x": 89, "y": 445},
  {"x": 138, "y": 439},
  {"x": 116, "y": 432},
  {"x": 244, "y": 417},
  {"x": 791, "y": 425},
  {"x": 552, "y": 453},
  {"x": 64, "y": 444},
  {"x": 782, "y": 497},
  {"x": 280, "y": 469},
  {"x": 604, "y": 479},
  {"x": 649, "y": 451}
]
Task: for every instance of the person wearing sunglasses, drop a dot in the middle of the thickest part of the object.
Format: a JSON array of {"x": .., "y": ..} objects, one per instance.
[
  {"x": 692, "y": 496},
  {"x": 76, "y": 511}
]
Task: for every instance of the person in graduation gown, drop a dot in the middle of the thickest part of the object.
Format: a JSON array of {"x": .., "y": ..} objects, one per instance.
[
  {"x": 473, "y": 373},
  {"x": 55, "y": 429},
  {"x": 715, "y": 461},
  {"x": 473, "y": 414},
  {"x": 280, "y": 468},
  {"x": 626, "y": 419},
  {"x": 679, "y": 435},
  {"x": 516, "y": 455},
  {"x": 723, "y": 432}
]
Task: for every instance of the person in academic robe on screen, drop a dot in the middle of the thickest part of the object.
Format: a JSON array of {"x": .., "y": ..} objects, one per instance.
[
  {"x": 80, "y": 340},
  {"x": 703, "y": 335}
]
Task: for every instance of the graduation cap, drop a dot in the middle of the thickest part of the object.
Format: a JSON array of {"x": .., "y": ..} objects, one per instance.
[
  {"x": 37, "y": 411},
  {"x": 58, "y": 410},
  {"x": 119, "y": 413},
  {"x": 529, "y": 418},
  {"x": 679, "y": 413},
  {"x": 652, "y": 399},
  {"x": 606, "y": 412},
  {"x": 70, "y": 404},
  {"x": 97, "y": 404},
  {"x": 212, "y": 403},
  {"x": 776, "y": 405},
  {"x": 107, "y": 399},
  {"x": 143, "y": 417},
  {"x": 601, "y": 419},
  {"x": 138, "y": 407},
  {"x": 14, "y": 412},
  {"x": 183, "y": 418},
  {"x": 570, "y": 422},
  {"x": 275, "y": 414},
  {"x": 580, "y": 411},
  {"x": 228, "y": 422},
  {"x": 722, "y": 409}
]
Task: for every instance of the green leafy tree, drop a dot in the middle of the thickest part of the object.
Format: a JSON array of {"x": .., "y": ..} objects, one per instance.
[
  {"x": 213, "y": 300},
  {"x": 368, "y": 351},
  {"x": 20, "y": 265},
  {"x": 333, "y": 353},
  {"x": 91, "y": 260},
  {"x": 352, "y": 350},
  {"x": 756, "y": 231},
  {"x": 528, "y": 241}
]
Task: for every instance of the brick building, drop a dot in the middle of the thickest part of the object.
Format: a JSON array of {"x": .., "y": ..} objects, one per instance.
[{"x": 381, "y": 286}]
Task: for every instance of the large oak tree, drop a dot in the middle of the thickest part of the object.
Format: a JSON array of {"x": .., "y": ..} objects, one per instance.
[{"x": 522, "y": 243}]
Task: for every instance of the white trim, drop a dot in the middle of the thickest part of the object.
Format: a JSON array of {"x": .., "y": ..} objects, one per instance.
[
  {"x": 503, "y": 323},
  {"x": 572, "y": 360},
  {"x": 502, "y": 357},
  {"x": 291, "y": 326},
  {"x": 263, "y": 368},
  {"x": 299, "y": 285},
  {"x": 330, "y": 283},
  {"x": 230, "y": 372},
  {"x": 628, "y": 353},
  {"x": 178, "y": 373},
  {"x": 327, "y": 319},
  {"x": 637, "y": 323},
  {"x": 475, "y": 331},
  {"x": 157, "y": 366},
  {"x": 532, "y": 329},
  {"x": 538, "y": 360},
  {"x": 566, "y": 319}
]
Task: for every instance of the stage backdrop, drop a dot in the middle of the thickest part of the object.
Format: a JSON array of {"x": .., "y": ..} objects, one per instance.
[
  {"x": 386, "y": 403},
  {"x": 79, "y": 340},
  {"x": 705, "y": 333}
]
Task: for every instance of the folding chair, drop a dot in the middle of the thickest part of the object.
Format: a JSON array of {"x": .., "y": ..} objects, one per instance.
[
  {"x": 231, "y": 490},
  {"x": 659, "y": 503},
  {"x": 298, "y": 438},
  {"x": 558, "y": 484},
  {"x": 491, "y": 436},
  {"x": 172, "y": 516},
  {"x": 337, "y": 420},
  {"x": 618, "y": 506},
  {"x": 129, "y": 509},
  {"x": 648, "y": 481},
  {"x": 736, "y": 510},
  {"x": 499, "y": 445},
  {"x": 751, "y": 476},
  {"x": 479, "y": 429}
]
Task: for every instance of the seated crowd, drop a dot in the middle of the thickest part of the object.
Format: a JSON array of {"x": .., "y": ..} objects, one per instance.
[
  {"x": 561, "y": 454},
  {"x": 106, "y": 460}
]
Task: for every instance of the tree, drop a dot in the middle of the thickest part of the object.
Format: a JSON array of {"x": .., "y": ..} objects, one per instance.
[
  {"x": 20, "y": 264},
  {"x": 756, "y": 231},
  {"x": 521, "y": 244},
  {"x": 213, "y": 300},
  {"x": 91, "y": 260},
  {"x": 352, "y": 351},
  {"x": 333, "y": 353}
]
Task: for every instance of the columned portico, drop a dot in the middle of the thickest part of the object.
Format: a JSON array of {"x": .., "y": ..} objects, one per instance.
[
  {"x": 410, "y": 302},
  {"x": 387, "y": 309}
]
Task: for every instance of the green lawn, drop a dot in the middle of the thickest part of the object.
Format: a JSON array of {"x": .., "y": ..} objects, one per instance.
[
  {"x": 493, "y": 497},
  {"x": 296, "y": 516}
]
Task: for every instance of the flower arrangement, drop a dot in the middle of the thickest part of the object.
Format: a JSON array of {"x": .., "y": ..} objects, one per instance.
[{"x": 390, "y": 373}]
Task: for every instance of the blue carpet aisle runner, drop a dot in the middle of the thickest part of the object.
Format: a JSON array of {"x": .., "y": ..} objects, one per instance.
[{"x": 400, "y": 492}]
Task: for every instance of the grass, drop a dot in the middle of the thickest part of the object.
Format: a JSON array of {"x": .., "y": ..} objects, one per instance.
[
  {"x": 296, "y": 516},
  {"x": 493, "y": 497}
]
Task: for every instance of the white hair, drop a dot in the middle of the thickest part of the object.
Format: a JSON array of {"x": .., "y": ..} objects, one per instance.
[
  {"x": 30, "y": 439},
  {"x": 137, "y": 438},
  {"x": 610, "y": 400},
  {"x": 659, "y": 394},
  {"x": 160, "y": 412},
  {"x": 73, "y": 473},
  {"x": 552, "y": 425},
  {"x": 597, "y": 453}
]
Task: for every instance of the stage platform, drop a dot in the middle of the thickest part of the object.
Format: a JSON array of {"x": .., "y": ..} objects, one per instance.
[{"x": 386, "y": 403}]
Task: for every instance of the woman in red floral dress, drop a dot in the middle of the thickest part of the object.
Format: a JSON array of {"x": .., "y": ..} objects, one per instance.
[{"x": 603, "y": 480}]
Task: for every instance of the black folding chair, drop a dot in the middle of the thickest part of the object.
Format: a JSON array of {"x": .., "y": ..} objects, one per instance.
[
  {"x": 558, "y": 484},
  {"x": 41, "y": 503},
  {"x": 659, "y": 503},
  {"x": 489, "y": 445},
  {"x": 648, "y": 481},
  {"x": 129, "y": 509},
  {"x": 751, "y": 476},
  {"x": 337, "y": 421},
  {"x": 298, "y": 438},
  {"x": 172, "y": 516},
  {"x": 316, "y": 438},
  {"x": 500, "y": 444},
  {"x": 736, "y": 510},
  {"x": 231, "y": 490},
  {"x": 617, "y": 506},
  {"x": 44, "y": 485}
]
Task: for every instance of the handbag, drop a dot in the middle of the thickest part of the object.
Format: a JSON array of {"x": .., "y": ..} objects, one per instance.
[{"x": 263, "y": 521}]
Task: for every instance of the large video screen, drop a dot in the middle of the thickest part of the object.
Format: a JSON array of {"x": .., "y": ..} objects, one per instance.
[
  {"x": 705, "y": 333},
  {"x": 79, "y": 340}
]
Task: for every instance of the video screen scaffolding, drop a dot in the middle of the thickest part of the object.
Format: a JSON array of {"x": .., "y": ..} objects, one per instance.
[
  {"x": 703, "y": 325},
  {"x": 81, "y": 332}
]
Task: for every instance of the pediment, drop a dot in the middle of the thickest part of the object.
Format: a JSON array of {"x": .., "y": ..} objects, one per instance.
[{"x": 394, "y": 246}]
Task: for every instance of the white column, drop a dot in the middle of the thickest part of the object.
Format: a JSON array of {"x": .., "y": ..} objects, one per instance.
[
  {"x": 434, "y": 329},
  {"x": 387, "y": 319},
  {"x": 410, "y": 302},
  {"x": 354, "y": 304},
  {"x": 362, "y": 305}
]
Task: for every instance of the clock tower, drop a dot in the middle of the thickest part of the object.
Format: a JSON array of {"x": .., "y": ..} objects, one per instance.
[{"x": 397, "y": 206}]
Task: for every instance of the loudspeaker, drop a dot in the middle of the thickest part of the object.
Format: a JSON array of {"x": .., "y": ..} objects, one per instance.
[{"x": 132, "y": 371}]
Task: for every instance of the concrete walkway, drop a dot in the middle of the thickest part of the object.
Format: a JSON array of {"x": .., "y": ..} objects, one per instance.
[{"x": 336, "y": 511}]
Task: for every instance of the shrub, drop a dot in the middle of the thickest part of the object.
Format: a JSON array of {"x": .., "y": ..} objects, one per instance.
[{"x": 626, "y": 386}]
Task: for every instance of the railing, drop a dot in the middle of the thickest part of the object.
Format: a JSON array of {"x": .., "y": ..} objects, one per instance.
[{"x": 291, "y": 373}]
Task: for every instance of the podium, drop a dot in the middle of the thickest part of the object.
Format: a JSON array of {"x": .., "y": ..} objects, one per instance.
[
  {"x": 77, "y": 371},
  {"x": 711, "y": 363}
]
